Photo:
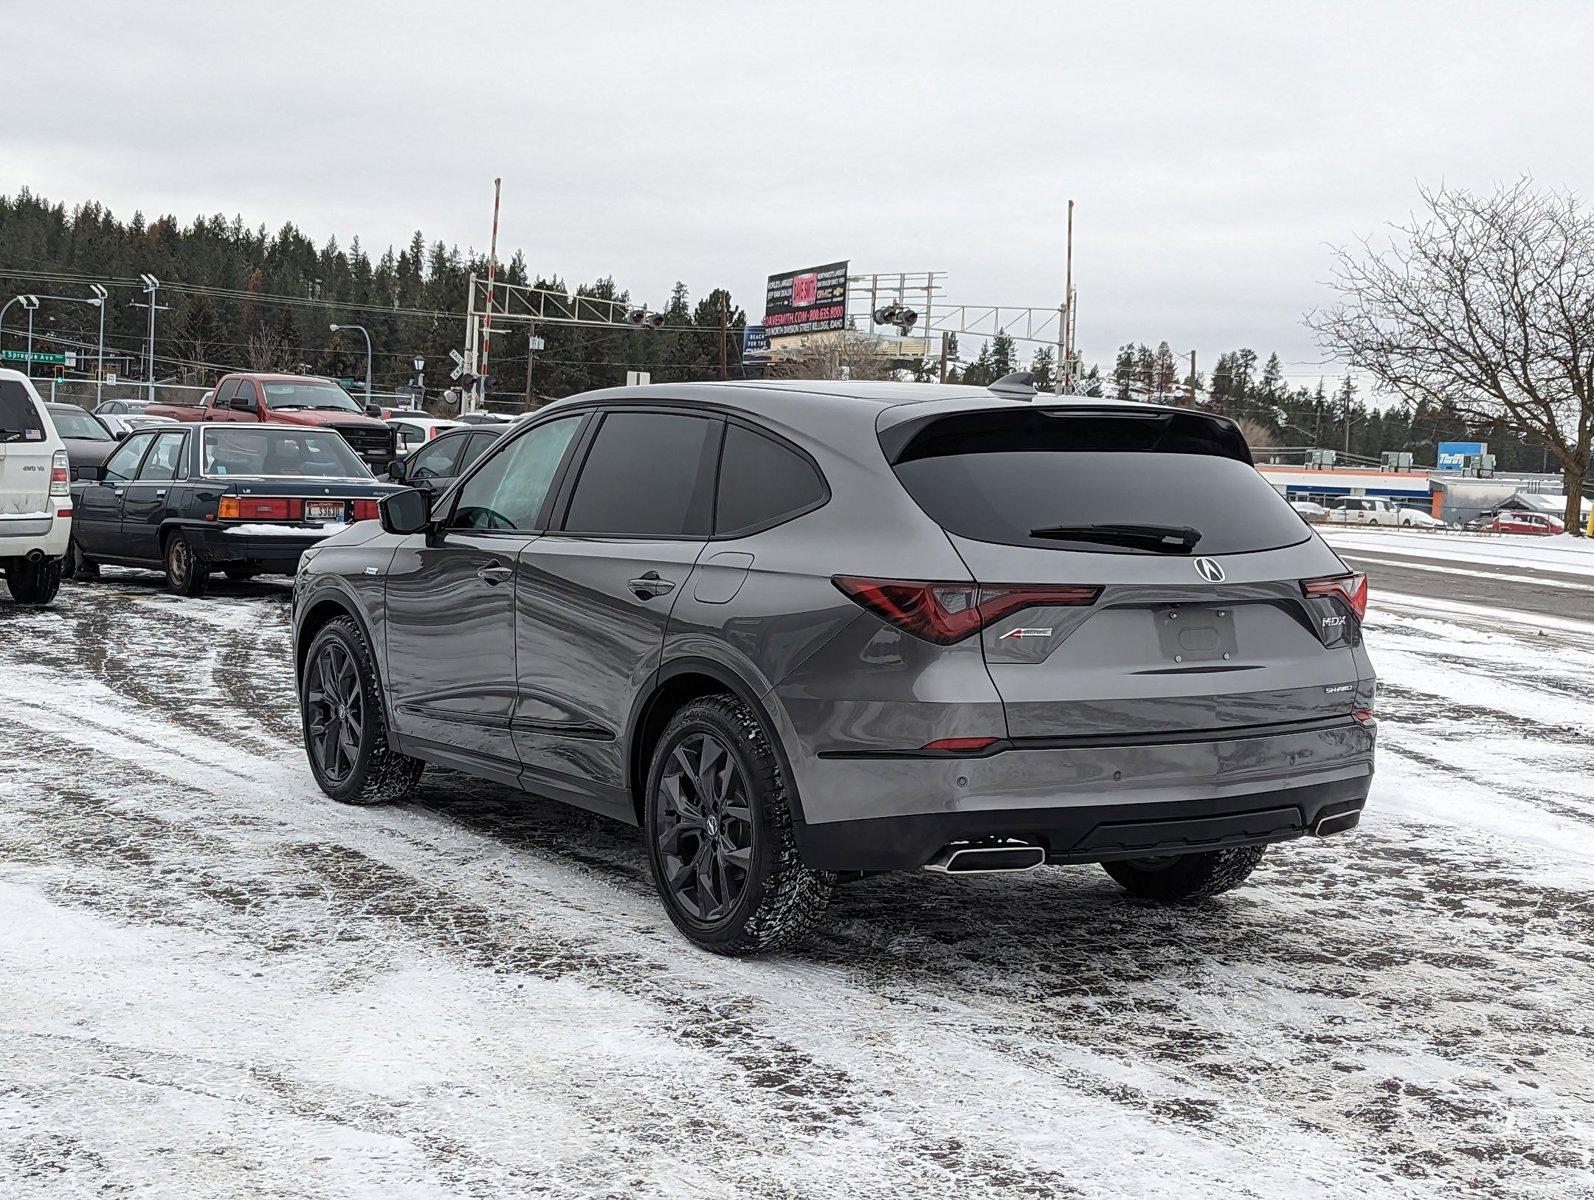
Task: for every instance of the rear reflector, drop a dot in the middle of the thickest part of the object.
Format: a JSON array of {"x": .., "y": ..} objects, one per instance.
[
  {"x": 945, "y": 613},
  {"x": 968, "y": 745},
  {"x": 1352, "y": 589},
  {"x": 63, "y": 512}
]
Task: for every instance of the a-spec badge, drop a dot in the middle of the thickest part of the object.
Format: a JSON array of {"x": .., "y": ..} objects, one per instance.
[
  {"x": 1026, "y": 632},
  {"x": 1209, "y": 569}
]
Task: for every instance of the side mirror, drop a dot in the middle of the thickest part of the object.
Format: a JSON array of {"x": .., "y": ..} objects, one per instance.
[
  {"x": 244, "y": 404},
  {"x": 91, "y": 474},
  {"x": 397, "y": 469},
  {"x": 374, "y": 410},
  {"x": 406, "y": 512}
]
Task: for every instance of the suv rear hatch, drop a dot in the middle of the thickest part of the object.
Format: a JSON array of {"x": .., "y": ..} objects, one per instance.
[
  {"x": 1196, "y": 611},
  {"x": 25, "y": 454}
]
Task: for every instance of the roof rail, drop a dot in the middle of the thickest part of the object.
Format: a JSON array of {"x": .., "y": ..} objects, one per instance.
[{"x": 1020, "y": 385}]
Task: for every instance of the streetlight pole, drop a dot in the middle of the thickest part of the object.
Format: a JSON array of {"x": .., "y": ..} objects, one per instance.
[
  {"x": 100, "y": 298},
  {"x": 24, "y": 300},
  {"x": 367, "y": 333},
  {"x": 31, "y": 303},
  {"x": 150, "y": 284}
]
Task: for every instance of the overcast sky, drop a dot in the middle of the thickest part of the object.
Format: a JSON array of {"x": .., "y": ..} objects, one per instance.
[{"x": 1213, "y": 149}]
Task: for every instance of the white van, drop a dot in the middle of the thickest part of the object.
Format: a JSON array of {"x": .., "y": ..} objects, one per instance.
[{"x": 35, "y": 495}]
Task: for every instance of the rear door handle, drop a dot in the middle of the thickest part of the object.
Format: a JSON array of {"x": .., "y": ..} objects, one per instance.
[
  {"x": 495, "y": 574},
  {"x": 650, "y": 586}
]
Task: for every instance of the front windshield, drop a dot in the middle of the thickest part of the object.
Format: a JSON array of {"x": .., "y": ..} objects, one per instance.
[
  {"x": 308, "y": 393},
  {"x": 312, "y": 453},
  {"x": 75, "y": 423}
]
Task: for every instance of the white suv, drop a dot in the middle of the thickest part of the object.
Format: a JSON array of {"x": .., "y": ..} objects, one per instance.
[
  {"x": 35, "y": 496},
  {"x": 1362, "y": 510}
]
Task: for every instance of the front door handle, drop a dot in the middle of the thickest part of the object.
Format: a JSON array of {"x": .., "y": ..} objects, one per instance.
[
  {"x": 495, "y": 574},
  {"x": 650, "y": 586}
]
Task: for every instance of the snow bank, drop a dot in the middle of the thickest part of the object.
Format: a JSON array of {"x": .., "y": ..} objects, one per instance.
[{"x": 1563, "y": 553}]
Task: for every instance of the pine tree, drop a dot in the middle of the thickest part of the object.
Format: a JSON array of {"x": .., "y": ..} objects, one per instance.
[{"x": 1041, "y": 366}]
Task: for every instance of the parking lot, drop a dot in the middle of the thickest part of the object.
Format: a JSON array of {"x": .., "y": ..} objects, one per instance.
[{"x": 211, "y": 974}]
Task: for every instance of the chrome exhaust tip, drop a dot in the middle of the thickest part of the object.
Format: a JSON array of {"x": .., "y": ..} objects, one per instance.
[
  {"x": 35, "y": 555},
  {"x": 1337, "y": 822},
  {"x": 987, "y": 858}
]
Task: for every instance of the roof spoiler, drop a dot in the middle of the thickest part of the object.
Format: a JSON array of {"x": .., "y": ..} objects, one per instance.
[{"x": 1020, "y": 385}]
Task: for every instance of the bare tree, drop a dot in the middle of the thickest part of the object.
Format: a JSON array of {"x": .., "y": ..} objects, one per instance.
[
  {"x": 843, "y": 355},
  {"x": 1485, "y": 302},
  {"x": 268, "y": 350}
]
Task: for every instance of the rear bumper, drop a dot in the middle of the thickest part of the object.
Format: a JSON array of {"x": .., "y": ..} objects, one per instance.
[
  {"x": 18, "y": 538},
  {"x": 276, "y": 554},
  {"x": 1083, "y": 802},
  {"x": 1093, "y": 833}
]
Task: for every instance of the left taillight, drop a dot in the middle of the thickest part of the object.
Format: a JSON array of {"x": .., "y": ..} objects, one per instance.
[
  {"x": 1352, "y": 589},
  {"x": 945, "y": 613},
  {"x": 60, "y": 474},
  {"x": 366, "y": 510}
]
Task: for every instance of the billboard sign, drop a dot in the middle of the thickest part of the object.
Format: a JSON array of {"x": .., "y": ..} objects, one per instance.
[
  {"x": 1453, "y": 455},
  {"x": 812, "y": 300},
  {"x": 755, "y": 344}
]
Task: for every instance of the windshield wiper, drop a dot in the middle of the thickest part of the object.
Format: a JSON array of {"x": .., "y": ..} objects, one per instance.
[
  {"x": 1167, "y": 539},
  {"x": 330, "y": 408}
]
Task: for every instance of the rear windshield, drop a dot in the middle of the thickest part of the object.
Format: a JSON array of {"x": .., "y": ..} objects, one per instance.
[
  {"x": 19, "y": 419},
  {"x": 1108, "y": 484},
  {"x": 73, "y": 422},
  {"x": 317, "y": 453}
]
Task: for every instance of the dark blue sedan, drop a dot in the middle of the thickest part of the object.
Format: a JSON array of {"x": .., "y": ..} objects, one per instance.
[{"x": 243, "y": 499}]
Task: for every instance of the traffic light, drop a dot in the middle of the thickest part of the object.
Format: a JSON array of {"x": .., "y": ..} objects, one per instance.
[{"x": 900, "y": 315}]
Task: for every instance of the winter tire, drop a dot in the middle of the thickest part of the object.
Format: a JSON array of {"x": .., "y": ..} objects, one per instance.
[
  {"x": 77, "y": 565},
  {"x": 34, "y": 583},
  {"x": 1185, "y": 878},
  {"x": 718, "y": 827},
  {"x": 345, "y": 723},
  {"x": 187, "y": 574}
]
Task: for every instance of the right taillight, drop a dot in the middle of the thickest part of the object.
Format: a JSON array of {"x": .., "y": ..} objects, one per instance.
[
  {"x": 1352, "y": 589},
  {"x": 60, "y": 474},
  {"x": 259, "y": 508},
  {"x": 944, "y": 613}
]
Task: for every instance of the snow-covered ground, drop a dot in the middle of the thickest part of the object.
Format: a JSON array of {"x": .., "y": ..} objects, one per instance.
[
  {"x": 215, "y": 982},
  {"x": 1563, "y": 554}
]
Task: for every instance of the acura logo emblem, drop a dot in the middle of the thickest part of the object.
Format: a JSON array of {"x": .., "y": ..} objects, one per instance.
[{"x": 1209, "y": 570}]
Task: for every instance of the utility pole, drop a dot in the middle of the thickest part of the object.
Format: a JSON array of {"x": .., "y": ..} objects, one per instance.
[
  {"x": 1065, "y": 365},
  {"x": 492, "y": 274},
  {"x": 1192, "y": 377},
  {"x": 531, "y": 349},
  {"x": 944, "y": 344},
  {"x": 724, "y": 370}
]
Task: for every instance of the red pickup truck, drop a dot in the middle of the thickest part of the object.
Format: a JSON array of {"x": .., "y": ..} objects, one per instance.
[{"x": 292, "y": 400}]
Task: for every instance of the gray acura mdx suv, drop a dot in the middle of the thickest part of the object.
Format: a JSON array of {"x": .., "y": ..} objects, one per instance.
[{"x": 803, "y": 631}]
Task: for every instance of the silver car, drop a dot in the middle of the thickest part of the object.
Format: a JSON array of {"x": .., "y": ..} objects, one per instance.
[{"x": 800, "y": 632}]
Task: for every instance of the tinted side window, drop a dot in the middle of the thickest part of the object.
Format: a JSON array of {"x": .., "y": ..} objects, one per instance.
[
  {"x": 248, "y": 391},
  {"x": 124, "y": 460},
  {"x": 19, "y": 419},
  {"x": 508, "y": 492},
  {"x": 164, "y": 460},
  {"x": 476, "y": 445},
  {"x": 437, "y": 461},
  {"x": 226, "y": 392},
  {"x": 647, "y": 475},
  {"x": 762, "y": 481}
]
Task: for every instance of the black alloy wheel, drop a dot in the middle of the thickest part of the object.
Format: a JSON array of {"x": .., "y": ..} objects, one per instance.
[
  {"x": 345, "y": 727},
  {"x": 334, "y": 711},
  {"x": 722, "y": 850},
  {"x": 705, "y": 828}
]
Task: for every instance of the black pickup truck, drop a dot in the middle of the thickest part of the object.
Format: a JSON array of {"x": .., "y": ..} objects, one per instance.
[{"x": 243, "y": 499}]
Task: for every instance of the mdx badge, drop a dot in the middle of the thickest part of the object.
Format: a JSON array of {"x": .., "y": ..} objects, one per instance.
[{"x": 1209, "y": 570}]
